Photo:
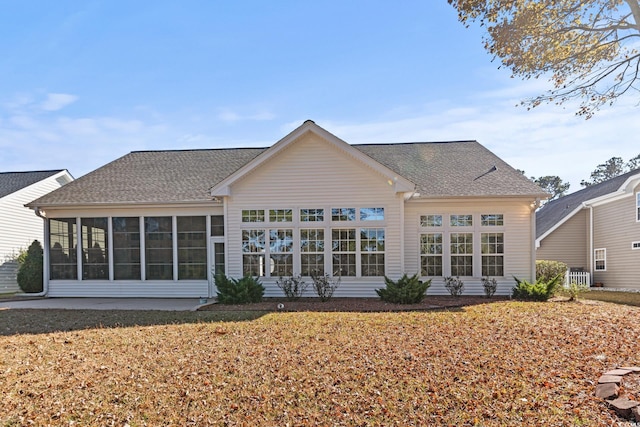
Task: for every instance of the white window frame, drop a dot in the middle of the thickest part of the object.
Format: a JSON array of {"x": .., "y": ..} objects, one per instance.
[
  {"x": 596, "y": 258},
  {"x": 635, "y": 245}
]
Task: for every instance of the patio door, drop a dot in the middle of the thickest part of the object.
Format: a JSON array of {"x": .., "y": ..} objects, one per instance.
[{"x": 216, "y": 251}]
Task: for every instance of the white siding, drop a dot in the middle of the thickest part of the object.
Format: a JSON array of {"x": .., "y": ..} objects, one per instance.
[{"x": 518, "y": 241}]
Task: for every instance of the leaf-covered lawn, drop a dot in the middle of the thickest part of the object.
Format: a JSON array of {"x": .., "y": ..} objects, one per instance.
[{"x": 504, "y": 363}]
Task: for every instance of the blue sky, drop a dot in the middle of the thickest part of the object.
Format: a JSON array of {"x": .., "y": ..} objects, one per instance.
[{"x": 85, "y": 82}]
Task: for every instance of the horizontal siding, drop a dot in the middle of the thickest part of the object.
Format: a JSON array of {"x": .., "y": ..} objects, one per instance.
[
  {"x": 128, "y": 289},
  {"x": 615, "y": 227},
  {"x": 8, "y": 281},
  {"x": 568, "y": 243}
]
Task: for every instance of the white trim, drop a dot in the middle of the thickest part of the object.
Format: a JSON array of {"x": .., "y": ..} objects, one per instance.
[{"x": 595, "y": 259}]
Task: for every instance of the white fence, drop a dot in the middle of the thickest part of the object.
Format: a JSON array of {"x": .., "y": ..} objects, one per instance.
[{"x": 577, "y": 277}]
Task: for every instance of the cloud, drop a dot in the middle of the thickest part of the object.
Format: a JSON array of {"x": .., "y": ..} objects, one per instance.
[
  {"x": 228, "y": 115},
  {"x": 57, "y": 101}
]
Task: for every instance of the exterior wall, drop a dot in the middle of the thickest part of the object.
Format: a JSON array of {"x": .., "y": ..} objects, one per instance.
[
  {"x": 313, "y": 174},
  {"x": 569, "y": 243},
  {"x": 615, "y": 228},
  {"x": 132, "y": 288},
  {"x": 518, "y": 240},
  {"x": 19, "y": 227}
]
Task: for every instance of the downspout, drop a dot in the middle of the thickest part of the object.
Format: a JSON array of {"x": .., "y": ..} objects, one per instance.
[
  {"x": 532, "y": 265},
  {"x": 45, "y": 257},
  {"x": 590, "y": 244}
]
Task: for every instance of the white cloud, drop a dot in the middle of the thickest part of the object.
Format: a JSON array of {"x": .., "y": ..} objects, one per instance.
[
  {"x": 228, "y": 115},
  {"x": 57, "y": 101}
]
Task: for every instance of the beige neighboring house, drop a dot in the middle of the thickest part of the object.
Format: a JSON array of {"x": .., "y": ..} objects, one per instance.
[
  {"x": 162, "y": 223},
  {"x": 596, "y": 230},
  {"x": 19, "y": 227}
]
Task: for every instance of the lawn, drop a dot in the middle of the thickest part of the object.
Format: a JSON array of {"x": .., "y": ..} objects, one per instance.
[
  {"x": 503, "y": 363},
  {"x": 627, "y": 298}
]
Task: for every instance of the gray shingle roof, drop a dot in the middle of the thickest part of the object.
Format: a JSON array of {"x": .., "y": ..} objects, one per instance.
[
  {"x": 556, "y": 210},
  {"x": 438, "y": 170},
  {"x": 10, "y": 182}
]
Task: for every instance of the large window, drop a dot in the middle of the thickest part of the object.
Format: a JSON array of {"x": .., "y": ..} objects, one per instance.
[
  {"x": 312, "y": 251},
  {"x": 311, "y": 215},
  {"x": 95, "y": 252},
  {"x": 281, "y": 252},
  {"x": 343, "y": 248},
  {"x": 600, "y": 258},
  {"x": 371, "y": 214},
  {"x": 492, "y": 248},
  {"x": 461, "y": 220},
  {"x": 280, "y": 215},
  {"x": 192, "y": 247},
  {"x": 431, "y": 254},
  {"x": 372, "y": 251},
  {"x": 253, "y": 251},
  {"x": 253, "y": 215},
  {"x": 63, "y": 236},
  {"x": 431, "y": 221},
  {"x": 343, "y": 214},
  {"x": 492, "y": 220},
  {"x": 126, "y": 248},
  {"x": 461, "y": 254},
  {"x": 158, "y": 233}
]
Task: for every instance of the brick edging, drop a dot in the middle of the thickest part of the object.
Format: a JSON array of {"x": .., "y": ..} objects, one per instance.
[{"x": 608, "y": 389}]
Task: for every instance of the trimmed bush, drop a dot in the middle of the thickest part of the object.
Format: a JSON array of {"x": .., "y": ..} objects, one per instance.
[
  {"x": 243, "y": 291},
  {"x": 293, "y": 287},
  {"x": 547, "y": 270},
  {"x": 407, "y": 290},
  {"x": 536, "y": 291},
  {"x": 325, "y": 286},
  {"x": 30, "y": 269},
  {"x": 490, "y": 285},
  {"x": 454, "y": 285}
]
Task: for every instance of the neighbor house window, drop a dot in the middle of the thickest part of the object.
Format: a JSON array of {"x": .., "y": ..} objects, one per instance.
[
  {"x": 311, "y": 215},
  {"x": 431, "y": 254},
  {"x": 600, "y": 259},
  {"x": 158, "y": 240},
  {"x": 635, "y": 245},
  {"x": 63, "y": 238},
  {"x": 281, "y": 252},
  {"x": 343, "y": 214},
  {"x": 95, "y": 252},
  {"x": 461, "y": 254},
  {"x": 253, "y": 251},
  {"x": 371, "y": 214},
  {"x": 431, "y": 220},
  {"x": 343, "y": 251},
  {"x": 281, "y": 215},
  {"x": 492, "y": 248},
  {"x": 126, "y": 248},
  {"x": 492, "y": 220},
  {"x": 372, "y": 251},
  {"x": 192, "y": 247},
  {"x": 461, "y": 220},
  {"x": 253, "y": 215},
  {"x": 312, "y": 251}
]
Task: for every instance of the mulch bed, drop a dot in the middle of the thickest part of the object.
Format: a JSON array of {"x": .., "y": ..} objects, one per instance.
[{"x": 354, "y": 304}]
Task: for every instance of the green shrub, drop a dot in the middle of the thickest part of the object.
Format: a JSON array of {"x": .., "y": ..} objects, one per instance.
[
  {"x": 293, "y": 287},
  {"x": 573, "y": 291},
  {"x": 30, "y": 269},
  {"x": 234, "y": 291},
  {"x": 538, "y": 290},
  {"x": 547, "y": 270},
  {"x": 454, "y": 285},
  {"x": 407, "y": 290},
  {"x": 490, "y": 285},
  {"x": 325, "y": 286}
]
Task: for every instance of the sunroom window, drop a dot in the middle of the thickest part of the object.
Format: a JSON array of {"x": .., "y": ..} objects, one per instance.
[
  {"x": 63, "y": 236},
  {"x": 372, "y": 251},
  {"x": 281, "y": 252},
  {"x": 192, "y": 247},
  {"x": 343, "y": 251},
  {"x": 431, "y": 254},
  {"x": 280, "y": 215},
  {"x": 431, "y": 220},
  {"x": 492, "y": 248},
  {"x": 312, "y": 251},
  {"x": 253, "y": 251},
  {"x": 158, "y": 239},
  {"x": 461, "y": 220},
  {"x": 95, "y": 251},
  {"x": 343, "y": 214},
  {"x": 461, "y": 254},
  {"x": 371, "y": 214},
  {"x": 126, "y": 248}
]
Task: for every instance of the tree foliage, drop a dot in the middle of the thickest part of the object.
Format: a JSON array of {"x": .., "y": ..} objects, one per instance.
[
  {"x": 553, "y": 185},
  {"x": 30, "y": 277},
  {"x": 613, "y": 167},
  {"x": 587, "y": 48}
]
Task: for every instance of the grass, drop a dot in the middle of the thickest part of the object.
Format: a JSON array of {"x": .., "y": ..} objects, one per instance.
[
  {"x": 503, "y": 363},
  {"x": 626, "y": 298}
]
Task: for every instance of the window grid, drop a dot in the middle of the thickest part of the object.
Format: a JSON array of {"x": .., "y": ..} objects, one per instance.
[
  {"x": 461, "y": 254},
  {"x": 371, "y": 214},
  {"x": 343, "y": 248},
  {"x": 253, "y": 250},
  {"x": 492, "y": 220},
  {"x": 280, "y": 215},
  {"x": 431, "y": 220},
  {"x": 63, "y": 237},
  {"x": 600, "y": 259},
  {"x": 158, "y": 248},
  {"x": 431, "y": 254},
  {"x": 372, "y": 251},
  {"x": 343, "y": 214},
  {"x": 312, "y": 251},
  {"x": 311, "y": 215},
  {"x": 253, "y": 215},
  {"x": 461, "y": 220},
  {"x": 492, "y": 248},
  {"x": 281, "y": 252},
  {"x": 95, "y": 251},
  {"x": 126, "y": 248},
  {"x": 192, "y": 247}
]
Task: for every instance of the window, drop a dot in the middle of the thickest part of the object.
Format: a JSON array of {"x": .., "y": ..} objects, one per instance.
[
  {"x": 600, "y": 258},
  {"x": 192, "y": 247},
  {"x": 635, "y": 245},
  {"x": 217, "y": 225},
  {"x": 637, "y": 206},
  {"x": 253, "y": 250},
  {"x": 252, "y": 215},
  {"x": 311, "y": 215},
  {"x": 492, "y": 248},
  {"x": 496, "y": 220},
  {"x": 95, "y": 254},
  {"x": 461, "y": 220},
  {"x": 126, "y": 248},
  {"x": 372, "y": 251},
  {"x": 158, "y": 239},
  {"x": 281, "y": 215},
  {"x": 343, "y": 214},
  {"x": 431, "y": 220},
  {"x": 371, "y": 214},
  {"x": 461, "y": 254},
  {"x": 431, "y": 254},
  {"x": 312, "y": 251},
  {"x": 281, "y": 252},
  {"x": 343, "y": 248},
  {"x": 63, "y": 236}
]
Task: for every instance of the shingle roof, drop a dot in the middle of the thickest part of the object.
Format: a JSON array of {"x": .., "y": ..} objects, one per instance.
[
  {"x": 10, "y": 182},
  {"x": 556, "y": 210},
  {"x": 438, "y": 170}
]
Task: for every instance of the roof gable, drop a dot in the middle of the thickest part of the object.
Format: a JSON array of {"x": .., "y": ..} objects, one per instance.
[{"x": 10, "y": 182}]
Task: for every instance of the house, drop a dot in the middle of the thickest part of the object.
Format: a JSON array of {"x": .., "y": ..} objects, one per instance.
[
  {"x": 596, "y": 230},
  {"x": 18, "y": 226},
  {"x": 162, "y": 223}
]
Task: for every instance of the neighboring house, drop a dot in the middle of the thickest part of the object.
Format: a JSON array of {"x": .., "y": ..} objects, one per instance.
[
  {"x": 162, "y": 223},
  {"x": 596, "y": 229},
  {"x": 19, "y": 227}
]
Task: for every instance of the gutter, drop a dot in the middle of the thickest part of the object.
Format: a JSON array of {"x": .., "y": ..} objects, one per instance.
[{"x": 45, "y": 258}]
